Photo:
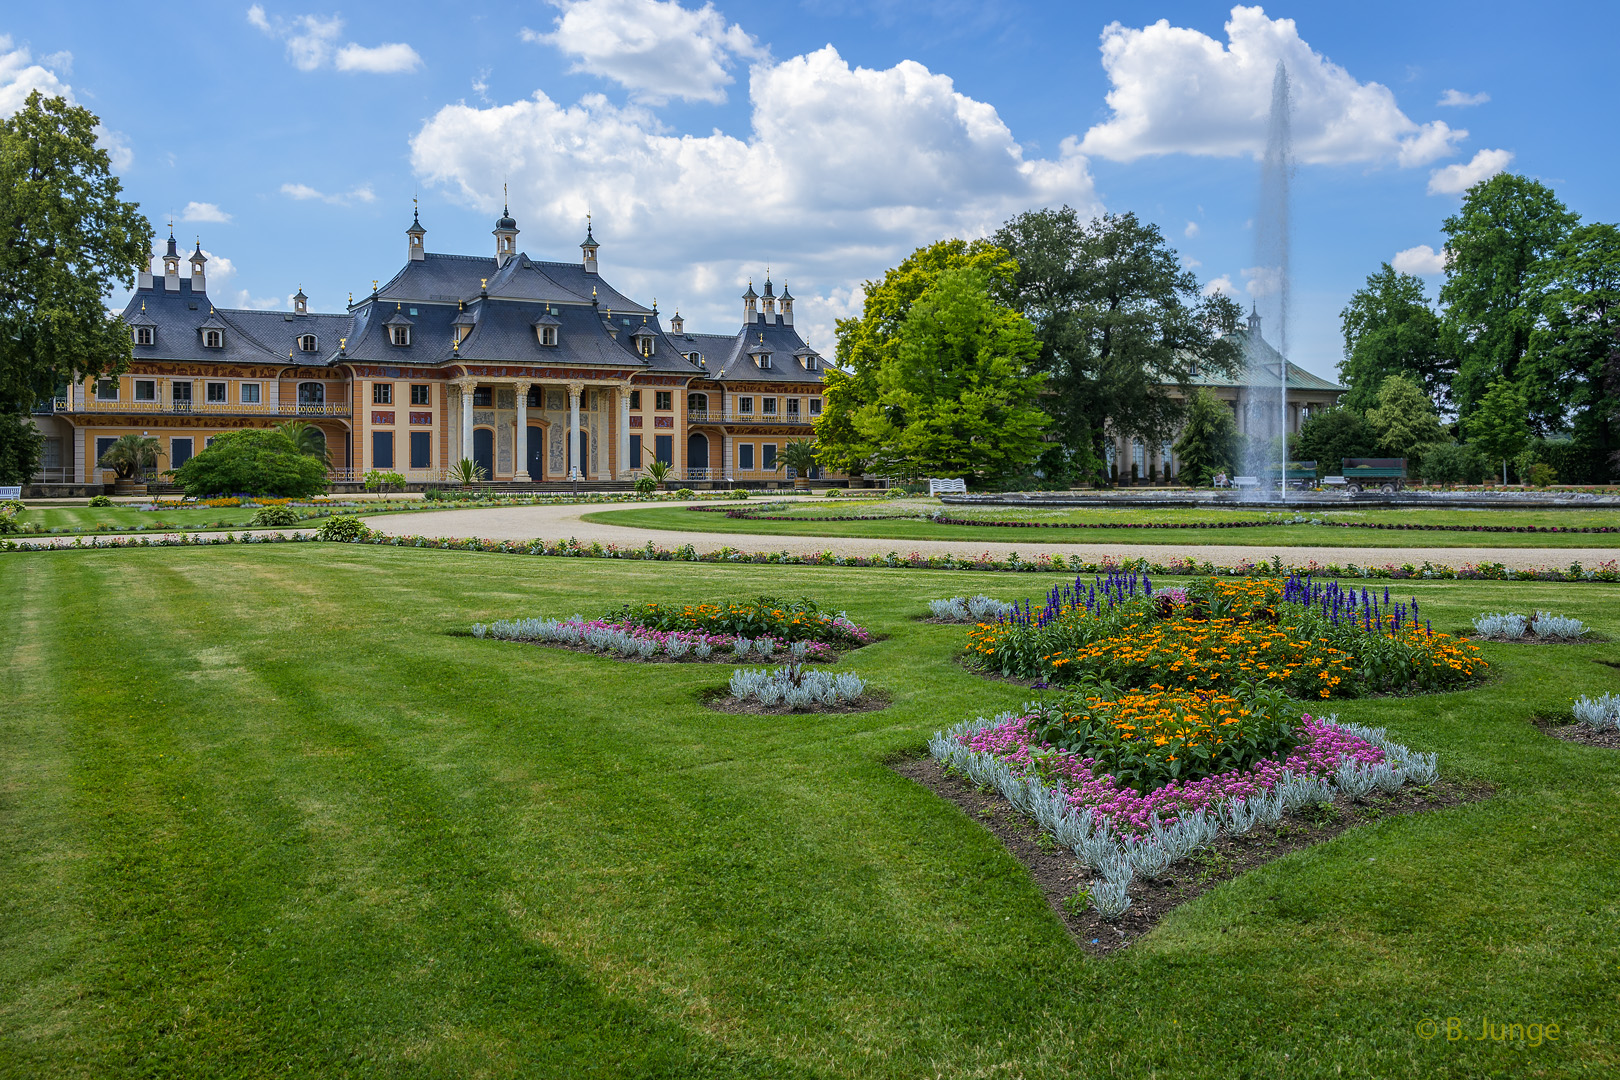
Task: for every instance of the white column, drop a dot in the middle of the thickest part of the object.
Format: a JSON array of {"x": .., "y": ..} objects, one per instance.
[
  {"x": 623, "y": 440},
  {"x": 466, "y": 418},
  {"x": 574, "y": 390},
  {"x": 86, "y": 445},
  {"x": 520, "y": 471},
  {"x": 725, "y": 465}
]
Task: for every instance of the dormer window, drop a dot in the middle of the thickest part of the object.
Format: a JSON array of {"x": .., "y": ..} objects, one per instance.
[
  {"x": 399, "y": 335},
  {"x": 307, "y": 343},
  {"x": 764, "y": 361},
  {"x": 812, "y": 363},
  {"x": 143, "y": 335},
  {"x": 213, "y": 339},
  {"x": 645, "y": 346},
  {"x": 548, "y": 335}
]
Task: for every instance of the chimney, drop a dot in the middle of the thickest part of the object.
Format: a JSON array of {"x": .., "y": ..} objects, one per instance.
[
  {"x": 300, "y": 302},
  {"x": 749, "y": 297},
  {"x": 677, "y": 325},
  {"x": 768, "y": 300},
  {"x": 415, "y": 234},
  {"x": 199, "y": 281},
  {"x": 588, "y": 247},
  {"x": 787, "y": 306},
  {"x": 171, "y": 264}
]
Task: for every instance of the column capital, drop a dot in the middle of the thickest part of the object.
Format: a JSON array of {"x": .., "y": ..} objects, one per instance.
[
  {"x": 575, "y": 389},
  {"x": 522, "y": 386},
  {"x": 464, "y": 383}
]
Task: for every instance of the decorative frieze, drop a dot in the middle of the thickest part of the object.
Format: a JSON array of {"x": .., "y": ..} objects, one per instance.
[
  {"x": 421, "y": 418},
  {"x": 382, "y": 417}
]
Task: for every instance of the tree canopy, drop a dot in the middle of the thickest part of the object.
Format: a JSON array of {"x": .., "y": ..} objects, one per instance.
[
  {"x": 1495, "y": 284},
  {"x": 959, "y": 395},
  {"x": 1404, "y": 420},
  {"x": 1209, "y": 439},
  {"x": 866, "y": 344},
  {"x": 1390, "y": 329},
  {"x": 68, "y": 239},
  {"x": 1123, "y": 327},
  {"x": 1330, "y": 435},
  {"x": 1497, "y": 427}
]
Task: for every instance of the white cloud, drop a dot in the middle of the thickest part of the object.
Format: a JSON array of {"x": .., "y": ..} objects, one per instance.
[
  {"x": 1190, "y": 263},
  {"x": 1460, "y": 100},
  {"x": 1177, "y": 90},
  {"x": 1422, "y": 260},
  {"x": 312, "y": 43},
  {"x": 258, "y": 303},
  {"x": 655, "y": 48},
  {"x": 305, "y": 193},
  {"x": 21, "y": 75},
  {"x": 847, "y": 169},
  {"x": 392, "y": 59},
  {"x": 1456, "y": 179},
  {"x": 1191, "y": 230},
  {"x": 1221, "y": 286},
  {"x": 1261, "y": 281},
  {"x": 204, "y": 212}
]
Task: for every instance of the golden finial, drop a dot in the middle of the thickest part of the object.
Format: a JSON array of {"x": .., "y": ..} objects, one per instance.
[
  {"x": 593, "y": 292},
  {"x": 343, "y": 343},
  {"x": 397, "y": 305},
  {"x": 143, "y": 307},
  {"x": 483, "y": 283},
  {"x": 351, "y": 298},
  {"x": 373, "y": 284},
  {"x": 455, "y": 346}
]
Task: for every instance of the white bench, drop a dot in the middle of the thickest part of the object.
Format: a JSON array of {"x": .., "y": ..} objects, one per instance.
[
  {"x": 1334, "y": 481},
  {"x": 1245, "y": 481},
  {"x": 10, "y": 493},
  {"x": 947, "y": 487}
]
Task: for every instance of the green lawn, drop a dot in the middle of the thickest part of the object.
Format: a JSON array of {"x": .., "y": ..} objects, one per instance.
[
  {"x": 907, "y": 528},
  {"x": 268, "y": 812}
]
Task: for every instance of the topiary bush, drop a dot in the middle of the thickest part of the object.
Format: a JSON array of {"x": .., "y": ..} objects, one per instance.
[
  {"x": 686, "y": 493},
  {"x": 101, "y": 500},
  {"x": 645, "y": 485}
]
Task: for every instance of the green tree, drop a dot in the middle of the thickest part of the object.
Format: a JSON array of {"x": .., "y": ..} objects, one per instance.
[
  {"x": 306, "y": 438},
  {"x": 1495, "y": 283},
  {"x": 867, "y": 344},
  {"x": 1123, "y": 327},
  {"x": 257, "y": 461},
  {"x": 1209, "y": 439},
  {"x": 1329, "y": 436},
  {"x": 68, "y": 239},
  {"x": 1454, "y": 463},
  {"x": 1577, "y": 347},
  {"x": 131, "y": 456},
  {"x": 21, "y": 445},
  {"x": 1390, "y": 329},
  {"x": 1404, "y": 421},
  {"x": 959, "y": 397},
  {"x": 1497, "y": 428}
]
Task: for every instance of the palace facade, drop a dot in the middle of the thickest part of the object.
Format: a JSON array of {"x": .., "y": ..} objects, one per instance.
[{"x": 541, "y": 372}]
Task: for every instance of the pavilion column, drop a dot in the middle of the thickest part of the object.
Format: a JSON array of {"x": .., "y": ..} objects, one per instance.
[
  {"x": 520, "y": 463},
  {"x": 623, "y": 440},
  {"x": 725, "y": 465},
  {"x": 574, "y": 390},
  {"x": 466, "y": 418}
]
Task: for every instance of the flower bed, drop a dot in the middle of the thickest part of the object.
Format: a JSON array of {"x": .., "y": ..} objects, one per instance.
[
  {"x": 1306, "y": 638},
  {"x": 791, "y": 688},
  {"x": 634, "y": 642},
  {"x": 785, "y": 620},
  {"x": 1116, "y": 826}
]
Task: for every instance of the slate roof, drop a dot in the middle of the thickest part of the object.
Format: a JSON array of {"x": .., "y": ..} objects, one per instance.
[
  {"x": 1262, "y": 360},
  {"x": 456, "y": 277}
]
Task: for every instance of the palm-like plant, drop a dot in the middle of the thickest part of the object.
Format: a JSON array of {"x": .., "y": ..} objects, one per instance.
[
  {"x": 800, "y": 456},
  {"x": 131, "y": 456},
  {"x": 658, "y": 471},
  {"x": 306, "y": 439},
  {"x": 467, "y": 472}
]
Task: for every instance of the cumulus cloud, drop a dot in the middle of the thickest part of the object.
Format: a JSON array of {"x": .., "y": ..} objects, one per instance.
[
  {"x": 305, "y": 193},
  {"x": 1221, "y": 286},
  {"x": 204, "y": 212},
  {"x": 1456, "y": 179},
  {"x": 1191, "y": 230},
  {"x": 312, "y": 43},
  {"x": 1460, "y": 100},
  {"x": 657, "y": 49},
  {"x": 21, "y": 75},
  {"x": 1422, "y": 260},
  {"x": 1177, "y": 90},
  {"x": 870, "y": 163}
]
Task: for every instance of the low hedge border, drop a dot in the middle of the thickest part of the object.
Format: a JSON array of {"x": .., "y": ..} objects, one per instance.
[{"x": 1606, "y": 572}]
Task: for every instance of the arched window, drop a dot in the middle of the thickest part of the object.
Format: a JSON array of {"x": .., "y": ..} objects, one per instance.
[
  {"x": 143, "y": 335},
  {"x": 311, "y": 395},
  {"x": 400, "y": 335},
  {"x": 307, "y": 343},
  {"x": 213, "y": 339},
  {"x": 548, "y": 335}
]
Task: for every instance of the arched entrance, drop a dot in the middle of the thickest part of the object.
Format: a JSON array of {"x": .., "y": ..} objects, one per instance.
[
  {"x": 537, "y": 452},
  {"x": 484, "y": 450},
  {"x": 697, "y": 453}
]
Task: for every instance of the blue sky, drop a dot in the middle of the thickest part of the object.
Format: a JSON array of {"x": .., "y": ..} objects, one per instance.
[{"x": 823, "y": 139}]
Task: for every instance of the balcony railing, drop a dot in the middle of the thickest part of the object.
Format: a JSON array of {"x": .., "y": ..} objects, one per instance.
[
  {"x": 202, "y": 408},
  {"x": 731, "y": 416}
]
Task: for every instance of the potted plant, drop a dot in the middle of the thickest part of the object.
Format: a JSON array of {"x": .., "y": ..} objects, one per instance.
[
  {"x": 130, "y": 457},
  {"x": 800, "y": 456}
]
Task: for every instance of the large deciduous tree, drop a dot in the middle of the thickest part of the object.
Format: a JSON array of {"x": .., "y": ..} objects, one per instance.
[
  {"x": 1496, "y": 281},
  {"x": 1123, "y": 327},
  {"x": 258, "y": 461},
  {"x": 1390, "y": 329},
  {"x": 868, "y": 343},
  {"x": 67, "y": 239},
  {"x": 1404, "y": 420},
  {"x": 1576, "y": 350},
  {"x": 1329, "y": 436},
  {"x": 1497, "y": 428},
  {"x": 959, "y": 395}
]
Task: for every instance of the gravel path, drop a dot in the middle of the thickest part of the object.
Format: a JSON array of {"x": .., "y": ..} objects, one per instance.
[{"x": 562, "y": 522}]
